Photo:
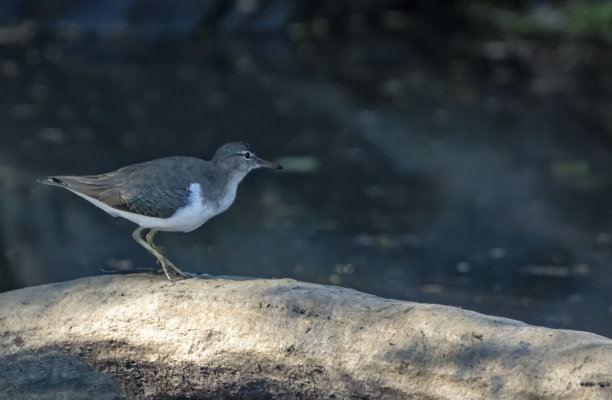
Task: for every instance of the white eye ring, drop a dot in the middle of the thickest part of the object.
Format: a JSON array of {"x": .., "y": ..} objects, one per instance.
[{"x": 247, "y": 155}]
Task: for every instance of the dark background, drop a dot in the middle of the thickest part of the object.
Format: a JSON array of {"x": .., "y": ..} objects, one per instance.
[{"x": 435, "y": 151}]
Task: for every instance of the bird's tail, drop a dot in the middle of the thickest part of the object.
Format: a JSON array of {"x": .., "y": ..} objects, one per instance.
[{"x": 52, "y": 180}]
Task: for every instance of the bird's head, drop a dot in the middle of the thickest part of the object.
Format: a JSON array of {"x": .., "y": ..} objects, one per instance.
[{"x": 237, "y": 157}]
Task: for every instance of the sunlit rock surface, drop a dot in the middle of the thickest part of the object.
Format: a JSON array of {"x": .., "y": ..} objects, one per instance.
[{"x": 142, "y": 336}]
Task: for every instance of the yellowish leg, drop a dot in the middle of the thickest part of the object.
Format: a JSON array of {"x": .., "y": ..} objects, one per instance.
[
  {"x": 149, "y": 238},
  {"x": 160, "y": 257}
]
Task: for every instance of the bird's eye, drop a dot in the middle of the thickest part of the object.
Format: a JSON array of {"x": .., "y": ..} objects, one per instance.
[{"x": 247, "y": 155}]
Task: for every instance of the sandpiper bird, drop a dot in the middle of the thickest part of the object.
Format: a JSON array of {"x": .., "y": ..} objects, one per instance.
[{"x": 174, "y": 194}]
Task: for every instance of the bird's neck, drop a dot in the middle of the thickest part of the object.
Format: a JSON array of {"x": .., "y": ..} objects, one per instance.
[
  {"x": 233, "y": 178},
  {"x": 228, "y": 194}
]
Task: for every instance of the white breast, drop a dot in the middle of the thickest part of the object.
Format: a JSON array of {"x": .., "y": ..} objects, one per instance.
[{"x": 185, "y": 219}]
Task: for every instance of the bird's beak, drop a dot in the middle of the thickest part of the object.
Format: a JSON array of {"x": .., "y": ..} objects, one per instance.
[{"x": 267, "y": 164}]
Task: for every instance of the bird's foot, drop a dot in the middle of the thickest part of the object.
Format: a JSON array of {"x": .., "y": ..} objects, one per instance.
[
  {"x": 178, "y": 271},
  {"x": 165, "y": 263}
]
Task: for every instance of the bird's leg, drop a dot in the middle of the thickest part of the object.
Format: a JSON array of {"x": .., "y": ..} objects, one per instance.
[
  {"x": 160, "y": 257},
  {"x": 149, "y": 238}
]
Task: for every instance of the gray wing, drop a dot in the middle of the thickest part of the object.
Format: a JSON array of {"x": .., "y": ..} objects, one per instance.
[{"x": 154, "y": 188}]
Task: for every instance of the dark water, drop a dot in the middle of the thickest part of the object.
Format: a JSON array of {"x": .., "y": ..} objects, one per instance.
[{"x": 478, "y": 176}]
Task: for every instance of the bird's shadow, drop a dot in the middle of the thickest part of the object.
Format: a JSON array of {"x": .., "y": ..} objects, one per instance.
[
  {"x": 160, "y": 272},
  {"x": 225, "y": 277}
]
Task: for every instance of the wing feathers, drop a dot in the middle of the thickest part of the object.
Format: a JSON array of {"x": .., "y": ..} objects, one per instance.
[{"x": 156, "y": 192}]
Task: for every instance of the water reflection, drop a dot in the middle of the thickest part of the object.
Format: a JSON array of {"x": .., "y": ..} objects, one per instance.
[{"x": 429, "y": 177}]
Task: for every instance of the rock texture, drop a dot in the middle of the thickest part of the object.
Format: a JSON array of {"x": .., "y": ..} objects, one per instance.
[{"x": 141, "y": 336}]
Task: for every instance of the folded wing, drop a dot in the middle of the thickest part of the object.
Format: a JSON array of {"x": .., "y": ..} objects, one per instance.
[{"x": 136, "y": 188}]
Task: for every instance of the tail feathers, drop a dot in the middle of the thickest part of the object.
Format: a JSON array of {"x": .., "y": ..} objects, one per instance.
[
  {"x": 89, "y": 185},
  {"x": 51, "y": 180}
]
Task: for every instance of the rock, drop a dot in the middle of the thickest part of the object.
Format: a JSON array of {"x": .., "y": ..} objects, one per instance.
[{"x": 141, "y": 336}]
